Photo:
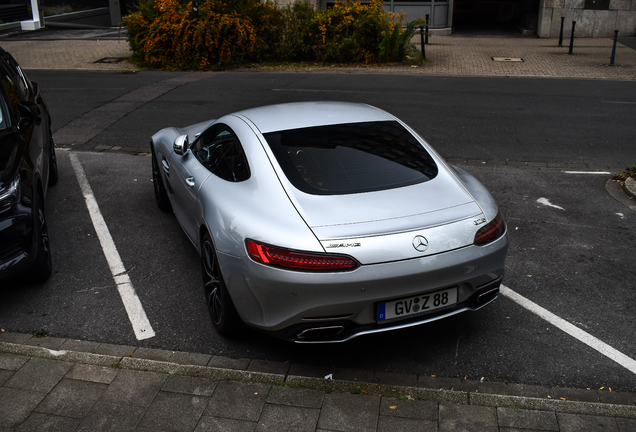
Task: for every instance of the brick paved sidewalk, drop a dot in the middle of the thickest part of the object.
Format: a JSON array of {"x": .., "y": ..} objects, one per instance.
[
  {"x": 447, "y": 55},
  {"x": 54, "y": 384}
]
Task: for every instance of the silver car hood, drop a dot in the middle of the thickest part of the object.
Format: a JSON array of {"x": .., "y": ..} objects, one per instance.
[{"x": 381, "y": 226}]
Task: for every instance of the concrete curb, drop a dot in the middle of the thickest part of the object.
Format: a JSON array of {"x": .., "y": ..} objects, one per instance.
[
  {"x": 328, "y": 385},
  {"x": 630, "y": 187},
  {"x": 621, "y": 194}
]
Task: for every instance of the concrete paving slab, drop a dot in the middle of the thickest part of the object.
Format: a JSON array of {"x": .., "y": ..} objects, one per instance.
[
  {"x": 190, "y": 385},
  {"x": 39, "y": 422},
  {"x": 217, "y": 424},
  {"x": 174, "y": 412},
  {"x": 5, "y": 375},
  {"x": 71, "y": 398},
  {"x": 229, "y": 363},
  {"x": 306, "y": 398},
  {"x": 349, "y": 412},
  {"x": 16, "y": 405},
  {"x": 132, "y": 387},
  {"x": 527, "y": 419},
  {"x": 93, "y": 373},
  {"x": 585, "y": 423},
  {"x": 398, "y": 424},
  {"x": 12, "y": 362},
  {"x": 467, "y": 418},
  {"x": 115, "y": 350},
  {"x": 268, "y": 366},
  {"x": 46, "y": 342},
  {"x": 111, "y": 417},
  {"x": 39, "y": 375},
  {"x": 78, "y": 345},
  {"x": 188, "y": 358},
  {"x": 284, "y": 418},
  {"x": 394, "y": 407},
  {"x": 223, "y": 401}
]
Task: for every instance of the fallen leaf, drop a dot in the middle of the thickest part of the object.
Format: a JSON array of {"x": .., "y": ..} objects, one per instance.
[
  {"x": 610, "y": 389},
  {"x": 562, "y": 398},
  {"x": 393, "y": 407},
  {"x": 433, "y": 376}
]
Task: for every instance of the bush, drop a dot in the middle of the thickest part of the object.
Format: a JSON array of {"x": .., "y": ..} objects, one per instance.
[{"x": 165, "y": 33}]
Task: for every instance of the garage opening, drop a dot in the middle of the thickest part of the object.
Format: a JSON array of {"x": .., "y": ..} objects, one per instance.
[{"x": 495, "y": 17}]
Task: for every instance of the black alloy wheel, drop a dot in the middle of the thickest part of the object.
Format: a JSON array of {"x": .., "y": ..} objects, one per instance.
[
  {"x": 161, "y": 196},
  {"x": 225, "y": 319}
]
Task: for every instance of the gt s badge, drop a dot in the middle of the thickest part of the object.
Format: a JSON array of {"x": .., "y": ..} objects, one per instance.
[{"x": 479, "y": 221}]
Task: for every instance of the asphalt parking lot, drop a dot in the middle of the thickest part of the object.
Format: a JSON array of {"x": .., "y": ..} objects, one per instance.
[{"x": 569, "y": 236}]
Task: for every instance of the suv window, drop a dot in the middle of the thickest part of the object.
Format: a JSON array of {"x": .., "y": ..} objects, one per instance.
[
  {"x": 11, "y": 90},
  {"x": 351, "y": 158},
  {"x": 220, "y": 151}
]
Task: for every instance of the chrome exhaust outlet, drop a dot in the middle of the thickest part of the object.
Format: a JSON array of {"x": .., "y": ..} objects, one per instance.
[
  {"x": 317, "y": 333},
  {"x": 488, "y": 295}
]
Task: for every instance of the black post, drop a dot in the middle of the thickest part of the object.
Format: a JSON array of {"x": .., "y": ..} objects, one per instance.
[
  {"x": 195, "y": 9},
  {"x": 561, "y": 32},
  {"x": 426, "y": 36},
  {"x": 422, "y": 42},
  {"x": 572, "y": 37},
  {"x": 614, "y": 48}
]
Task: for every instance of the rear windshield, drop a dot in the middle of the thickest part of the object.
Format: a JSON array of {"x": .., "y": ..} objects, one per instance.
[{"x": 351, "y": 158}]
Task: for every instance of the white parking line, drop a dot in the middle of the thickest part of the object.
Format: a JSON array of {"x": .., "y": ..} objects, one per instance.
[
  {"x": 589, "y": 340},
  {"x": 588, "y": 172},
  {"x": 132, "y": 304}
]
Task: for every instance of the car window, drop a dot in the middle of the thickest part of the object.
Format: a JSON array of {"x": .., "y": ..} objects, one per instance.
[
  {"x": 12, "y": 92},
  {"x": 18, "y": 77},
  {"x": 351, "y": 158},
  {"x": 220, "y": 151}
]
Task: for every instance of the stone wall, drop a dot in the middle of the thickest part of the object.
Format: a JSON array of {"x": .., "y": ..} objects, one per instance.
[{"x": 621, "y": 16}]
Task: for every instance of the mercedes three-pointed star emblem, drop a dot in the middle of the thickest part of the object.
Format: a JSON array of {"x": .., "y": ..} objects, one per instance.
[{"x": 420, "y": 243}]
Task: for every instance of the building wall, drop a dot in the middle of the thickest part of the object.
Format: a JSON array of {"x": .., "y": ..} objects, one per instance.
[{"x": 621, "y": 16}]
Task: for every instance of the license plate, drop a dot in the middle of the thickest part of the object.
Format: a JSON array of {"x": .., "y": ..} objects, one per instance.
[{"x": 416, "y": 305}]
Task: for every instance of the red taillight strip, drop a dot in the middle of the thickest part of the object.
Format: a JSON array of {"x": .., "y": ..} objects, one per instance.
[
  {"x": 298, "y": 260},
  {"x": 491, "y": 232}
]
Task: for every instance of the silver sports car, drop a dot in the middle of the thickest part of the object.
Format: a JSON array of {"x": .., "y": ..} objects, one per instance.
[{"x": 322, "y": 221}]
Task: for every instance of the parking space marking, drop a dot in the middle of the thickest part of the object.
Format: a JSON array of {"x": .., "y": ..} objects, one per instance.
[
  {"x": 132, "y": 304},
  {"x": 588, "y": 172},
  {"x": 589, "y": 340}
]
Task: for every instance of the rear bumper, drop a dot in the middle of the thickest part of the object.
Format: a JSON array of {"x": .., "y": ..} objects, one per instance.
[{"x": 334, "y": 307}]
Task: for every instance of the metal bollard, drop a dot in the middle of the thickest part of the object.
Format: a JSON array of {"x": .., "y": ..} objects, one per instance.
[
  {"x": 426, "y": 36},
  {"x": 195, "y": 9},
  {"x": 572, "y": 37},
  {"x": 422, "y": 42},
  {"x": 561, "y": 32},
  {"x": 614, "y": 48}
]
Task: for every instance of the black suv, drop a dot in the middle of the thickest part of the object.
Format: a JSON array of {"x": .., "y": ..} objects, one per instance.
[{"x": 27, "y": 168}]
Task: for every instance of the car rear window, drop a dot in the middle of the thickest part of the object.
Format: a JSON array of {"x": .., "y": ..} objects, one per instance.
[{"x": 351, "y": 158}]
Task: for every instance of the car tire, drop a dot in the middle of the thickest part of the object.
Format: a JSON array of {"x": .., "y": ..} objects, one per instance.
[
  {"x": 42, "y": 266},
  {"x": 225, "y": 319},
  {"x": 53, "y": 176},
  {"x": 161, "y": 196}
]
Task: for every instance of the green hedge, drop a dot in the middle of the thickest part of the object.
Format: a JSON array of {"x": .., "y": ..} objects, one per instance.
[{"x": 166, "y": 34}]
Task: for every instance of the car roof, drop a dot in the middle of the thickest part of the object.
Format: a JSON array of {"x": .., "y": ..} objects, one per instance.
[{"x": 308, "y": 114}]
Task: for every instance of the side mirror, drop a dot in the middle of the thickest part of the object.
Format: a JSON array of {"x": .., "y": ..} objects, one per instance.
[
  {"x": 181, "y": 145},
  {"x": 29, "y": 113}
]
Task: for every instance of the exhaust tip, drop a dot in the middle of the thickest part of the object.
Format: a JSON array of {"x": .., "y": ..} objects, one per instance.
[{"x": 319, "y": 333}]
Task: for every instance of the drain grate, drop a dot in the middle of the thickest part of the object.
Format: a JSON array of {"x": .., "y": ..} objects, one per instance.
[
  {"x": 507, "y": 59},
  {"x": 110, "y": 60}
]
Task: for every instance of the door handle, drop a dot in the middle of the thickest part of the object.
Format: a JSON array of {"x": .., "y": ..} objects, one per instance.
[
  {"x": 190, "y": 182},
  {"x": 166, "y": 166}
]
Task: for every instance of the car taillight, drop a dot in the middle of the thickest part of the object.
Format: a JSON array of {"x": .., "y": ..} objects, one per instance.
[
  {"x": 298, "y": 260},
  {"x": 491, "y": 232}
]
